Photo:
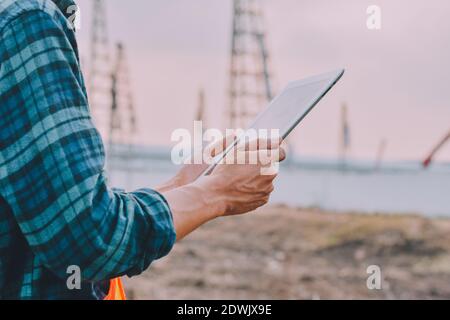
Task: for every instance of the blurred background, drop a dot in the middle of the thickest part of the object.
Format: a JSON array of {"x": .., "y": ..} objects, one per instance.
[{"x": 368, "y": 173}]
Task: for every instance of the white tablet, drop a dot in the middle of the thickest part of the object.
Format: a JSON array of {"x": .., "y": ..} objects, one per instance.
[{"x": 290, "y": 107}]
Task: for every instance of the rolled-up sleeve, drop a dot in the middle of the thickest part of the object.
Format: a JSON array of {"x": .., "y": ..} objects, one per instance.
[{"x": 52, "y": 163}]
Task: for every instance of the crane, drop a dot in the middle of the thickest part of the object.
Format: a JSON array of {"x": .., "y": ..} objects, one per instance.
[{"x": 433, "y": 152}]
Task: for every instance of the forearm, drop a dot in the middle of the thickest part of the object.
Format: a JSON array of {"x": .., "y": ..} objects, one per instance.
[
  {"x": 167, "y": 186},
  {"x": 192, "y": 206},
  {"x": 186, "y": 175}
]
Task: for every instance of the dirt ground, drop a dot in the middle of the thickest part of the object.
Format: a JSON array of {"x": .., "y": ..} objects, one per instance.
[{"x": 283, "y": 253}]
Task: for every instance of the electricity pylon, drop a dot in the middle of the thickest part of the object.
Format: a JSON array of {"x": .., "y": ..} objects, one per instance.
[
  {"x": 99, "y": 78},
  {"x": 201, "y": 108},
  {"x": 110, "y": 95},
  {"x": 380, "y": 154},
  {"x": 344, "y": 143},
  {"x": 122, "y": 124},
  {"x": 122, "y": 117},
  {"x": 250, "y": 87}
]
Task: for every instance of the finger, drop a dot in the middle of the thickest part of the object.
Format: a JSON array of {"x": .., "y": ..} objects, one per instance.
[
  {"x": 267, "y": 157},
  {"x": 285, "y": 147},
  {"x": 217, "y": 147},
  {"x": 259, "y": 144},
  {"x": 259, "y": 157},
  {"x": 270, "y": 171},
  {"x": 282, "y": 154}
]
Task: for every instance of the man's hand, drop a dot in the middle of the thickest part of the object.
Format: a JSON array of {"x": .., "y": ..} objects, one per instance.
[
  {"x": 190, "y": 172},
  {"x": 243, "y": 187},
  {"x": 231, "y": 189}
]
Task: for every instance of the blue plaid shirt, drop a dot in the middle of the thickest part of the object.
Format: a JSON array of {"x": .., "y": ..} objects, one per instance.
[{"x": 56, "y": 209}]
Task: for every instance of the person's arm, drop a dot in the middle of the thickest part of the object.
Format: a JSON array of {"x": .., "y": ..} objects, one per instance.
[{"x": 52, "y": 163}]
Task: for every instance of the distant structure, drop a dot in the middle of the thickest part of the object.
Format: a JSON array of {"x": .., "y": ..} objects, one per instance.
[
  {"x": 99, "y": 73},
  {"x": 250, "y": 85},
  {"x": 380, "y": 154},
  {"x": 122, "y": 124},
  {"x": 122, "y": 117},
  {"x": 433, "y": 152},
  {"x": 201, "y": 108},
  {"x": 110, "y": 94},
  {"x": 344, "y": 145}
]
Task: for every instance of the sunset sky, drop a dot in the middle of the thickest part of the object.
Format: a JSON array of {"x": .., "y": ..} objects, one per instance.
[{"x": 397, "y": 84}]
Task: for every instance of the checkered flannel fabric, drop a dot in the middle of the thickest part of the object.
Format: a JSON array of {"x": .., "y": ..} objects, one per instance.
[{"x": 56, "y": 209}]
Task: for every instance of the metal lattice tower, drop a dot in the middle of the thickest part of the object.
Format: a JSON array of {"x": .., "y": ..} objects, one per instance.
[
  {"x": 201, "y": 108},
  {"x": 250, "y": 81},
  {"x": 99, "y": 83},
  {"x": 344, "y": 143},
  {"x": 122, "y": 117},
  {"x": 122, "y": 124}
]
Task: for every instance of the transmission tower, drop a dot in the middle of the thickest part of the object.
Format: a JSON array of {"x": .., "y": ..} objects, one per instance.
[
  {"x": 380, "y": 154},
  {"x": 109, "y": 89},
  {"x": 122, "y": 124},
  {"x": 344, "y": 143},
  {"x": 99, "y": 83},
  {"x": 250, "y": 85},
  {"x": 122, "y": 117},
  {"x": 201, "y": 107}
]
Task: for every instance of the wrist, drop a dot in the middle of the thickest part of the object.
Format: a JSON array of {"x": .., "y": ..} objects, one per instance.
[
  {"x": 167, "y": 186},
  {"x": 211, "y": 196}
]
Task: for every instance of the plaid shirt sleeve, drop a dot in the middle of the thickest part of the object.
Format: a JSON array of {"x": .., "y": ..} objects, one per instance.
[{"x": 52, "y": 160}]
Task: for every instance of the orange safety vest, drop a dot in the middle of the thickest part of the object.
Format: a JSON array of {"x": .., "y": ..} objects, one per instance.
[{"x": 116, "y": 291}]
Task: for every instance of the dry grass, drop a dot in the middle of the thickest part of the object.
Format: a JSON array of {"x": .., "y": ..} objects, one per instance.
[{"x": 282, "y": 253}]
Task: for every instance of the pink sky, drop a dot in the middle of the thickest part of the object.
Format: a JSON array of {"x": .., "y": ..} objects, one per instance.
[{"x": 397, "y": 84}]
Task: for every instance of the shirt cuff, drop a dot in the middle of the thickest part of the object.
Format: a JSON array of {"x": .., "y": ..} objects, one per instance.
[{"x": 161, "y": 235}]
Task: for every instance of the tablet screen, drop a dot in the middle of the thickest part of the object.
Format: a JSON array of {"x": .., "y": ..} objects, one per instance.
[{"x": 290, "y": 106}]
